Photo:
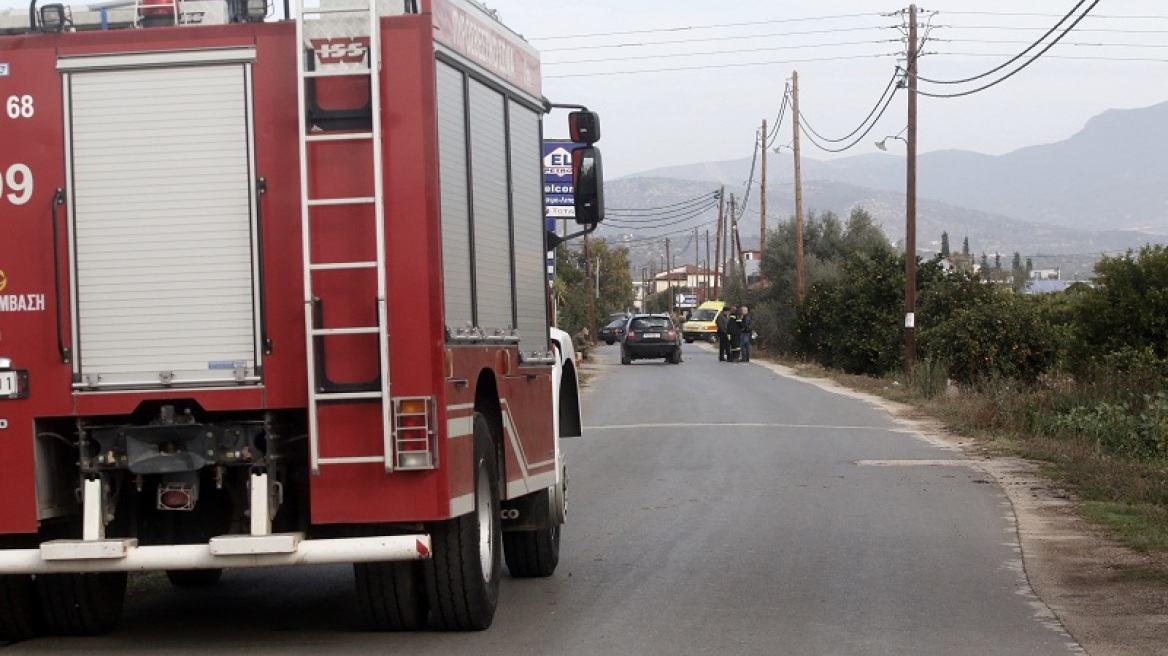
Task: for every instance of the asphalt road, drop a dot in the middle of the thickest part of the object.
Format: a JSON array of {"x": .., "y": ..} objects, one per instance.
[{"x": 713, "y": 509}]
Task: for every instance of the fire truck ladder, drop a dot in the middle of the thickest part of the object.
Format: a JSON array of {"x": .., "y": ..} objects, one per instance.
[{"x": 324, "y": 29}]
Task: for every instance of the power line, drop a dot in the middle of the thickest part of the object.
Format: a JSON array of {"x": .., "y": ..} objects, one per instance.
[
  {"x": 696, "y": 199},
  {"x": 718, "y": 66},
  {"x": 803, "y": 128},
  {"x": 1030, "y": 61},
  {"x": 877, "y": 107},
  {"x": 942, "y": 53},
  {"x": 669, "y": 234},
  {"x": 1016, "y": 57},
  {"x": 770, "y": 138},
  {"x": 1039, "y": 15},
  {"x": 661, "y": 222},
  {"x": 682, "y": 28},
  {"x": 734, "y": 37},
  {"x": 717, "y": 52}
]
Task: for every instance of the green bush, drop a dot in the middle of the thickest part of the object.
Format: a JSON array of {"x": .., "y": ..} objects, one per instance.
[
  {"x": 1127, "y": 309},
  {"x": 854, "y": 322},
  {"x": 1002, "y": 337}
]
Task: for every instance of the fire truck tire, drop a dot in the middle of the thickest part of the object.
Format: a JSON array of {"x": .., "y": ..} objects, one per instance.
[
  {"x": 82, "y": 604},
  {"x": 532, "y": 554},
  {"x": 462, "y": 577},
  {"x": 193, "y": 578},
  {"x": 19, "y": 616},
  {"x": 392, "y": 595}
]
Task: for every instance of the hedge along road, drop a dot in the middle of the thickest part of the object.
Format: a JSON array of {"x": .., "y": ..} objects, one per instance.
[{"x": 713, "y": 508}]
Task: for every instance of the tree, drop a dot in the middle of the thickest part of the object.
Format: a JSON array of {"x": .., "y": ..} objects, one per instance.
[
  {"x": 613, "y": 294},
  {"x": 1127, "y": 310},
  {"x": 944, "y": 244},
  {"x": 965, "y": 246},
  {"x": 853, "y": 322},
  {"x": 826, "y": 244}
]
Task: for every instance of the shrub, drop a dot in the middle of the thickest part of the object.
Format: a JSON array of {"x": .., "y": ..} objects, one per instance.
[
  {"x": 1000, "y": 338},
  {"x": 854, "y": 322},
  {"x": 1127, "y": 309}
]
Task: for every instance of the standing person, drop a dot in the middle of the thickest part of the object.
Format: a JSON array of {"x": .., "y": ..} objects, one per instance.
[
  {"x": 723, "y": 337},
  {"x": 747, "y": 331},
  {"x": 734, "y": 332}
]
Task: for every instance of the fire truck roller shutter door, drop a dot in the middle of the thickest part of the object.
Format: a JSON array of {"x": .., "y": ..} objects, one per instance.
[
  {"x": 492, "y": 234},
  {"x": 162, "y": 221},
  {"x": 455, "y": 199},
  {"x": 528, "y": 227}
]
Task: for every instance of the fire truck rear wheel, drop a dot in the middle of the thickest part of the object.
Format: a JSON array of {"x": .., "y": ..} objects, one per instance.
[
  {"x": 392, "y": 595},
  {"x": 19, "y": 616},
  {"x": 82, "y": 604},
  {"x": 193, "y": 578},
  {"x": 535, "y": 553},
  {"x": 462, "y": 577}
]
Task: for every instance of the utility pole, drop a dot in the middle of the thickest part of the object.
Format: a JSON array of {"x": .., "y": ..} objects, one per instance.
[
  {"x": 668, "y": 273},
  {"x": 591, "y": 301},
  {"x": 741, "y": 256},
  {"x": 707, "y": 267},
  {"x": 762, "y": 194},
  {"x": 731, "y": 223},
  {"x": 801, "y": 283},
  {"x": 910, "y": 205},
  {"x": 718, "y": 240}
]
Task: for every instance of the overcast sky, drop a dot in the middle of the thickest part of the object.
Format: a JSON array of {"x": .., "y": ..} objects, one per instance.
[
  {"x": 684, "y": 81},
  {"x": 717, "y": 69}
]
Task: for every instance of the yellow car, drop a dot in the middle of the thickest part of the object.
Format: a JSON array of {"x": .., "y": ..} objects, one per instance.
[{"x": 701, "y": 324}]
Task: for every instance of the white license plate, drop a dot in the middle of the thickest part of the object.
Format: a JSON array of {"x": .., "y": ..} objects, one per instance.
[
  {"x": 647, "y": 335},
  {"x": 8, "y": 383}
]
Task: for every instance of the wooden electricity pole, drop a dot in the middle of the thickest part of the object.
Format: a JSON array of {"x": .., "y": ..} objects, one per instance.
[
  {"x": 910, "y": 205},
  {"x": 668, "y": 275},
  {"x": 762, "y": 194},
  {"x": 718, "y": 240},
  {"x": 801, "y": 282},
  {"x": 731, "y": 223},
  {"x": 588, "y": 290},
  {"x": 707, "y": 267}
]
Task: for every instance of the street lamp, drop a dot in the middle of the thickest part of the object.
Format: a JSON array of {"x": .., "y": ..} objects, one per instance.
[{"x": 881, "y": 144}]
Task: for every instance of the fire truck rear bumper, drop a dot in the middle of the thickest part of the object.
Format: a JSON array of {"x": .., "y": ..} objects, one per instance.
[{"x": 228, "y": 551}]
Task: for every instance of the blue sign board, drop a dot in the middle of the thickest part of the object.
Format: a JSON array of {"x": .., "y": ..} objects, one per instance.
[{"x": 558, "y": 197}]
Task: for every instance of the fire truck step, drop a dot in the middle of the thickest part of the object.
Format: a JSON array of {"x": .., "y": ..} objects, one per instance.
[
  {"x": 354, "y": 460},
  {"x": 356, "y": 200},
  {"x": 354, "y": 72},
  {"x": 327, "y": 266},
  {"x": 325, "y": 397},
  {"x": 352, "y": 330},
  {"x": 353, "y": 9},
  {"x": 347, "y": 136}
]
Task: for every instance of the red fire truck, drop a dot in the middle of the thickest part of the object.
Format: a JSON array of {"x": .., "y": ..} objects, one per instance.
[{"x": 274, "y": 292}]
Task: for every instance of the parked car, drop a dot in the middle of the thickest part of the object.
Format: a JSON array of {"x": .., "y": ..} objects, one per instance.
[
  {"x": 614, "y": 331},
  {"x": 651, "y": 336}
]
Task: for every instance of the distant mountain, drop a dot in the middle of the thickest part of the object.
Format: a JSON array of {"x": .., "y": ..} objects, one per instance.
[{"x": 1112, "y": 175}]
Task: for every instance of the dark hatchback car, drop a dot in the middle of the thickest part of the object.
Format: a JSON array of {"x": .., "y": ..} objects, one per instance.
[
  {"x": 614, "y": 331},
  {"x": 651, "y": 336}
]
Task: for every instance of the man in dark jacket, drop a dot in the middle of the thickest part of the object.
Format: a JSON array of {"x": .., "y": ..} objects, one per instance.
[
  {"x": 734, "y": 332},
  {"x": 747, "y": 330},
  {"x": 723, "y": 338}
]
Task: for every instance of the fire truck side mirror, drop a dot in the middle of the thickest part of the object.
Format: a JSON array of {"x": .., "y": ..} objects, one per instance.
[
  {"x": 588, "y": 185},
  {"x": 584, "y": 127}
]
